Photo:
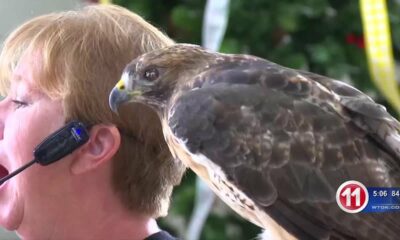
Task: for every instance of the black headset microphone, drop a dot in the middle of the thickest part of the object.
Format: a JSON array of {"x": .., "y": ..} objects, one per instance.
[{"x": 56, "y": 146}]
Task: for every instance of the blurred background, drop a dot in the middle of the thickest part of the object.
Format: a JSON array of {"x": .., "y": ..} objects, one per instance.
[{"x": 322, "y": 36}]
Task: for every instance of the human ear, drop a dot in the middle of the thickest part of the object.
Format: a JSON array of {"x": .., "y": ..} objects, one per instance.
[{"x": 103, "y": 143}]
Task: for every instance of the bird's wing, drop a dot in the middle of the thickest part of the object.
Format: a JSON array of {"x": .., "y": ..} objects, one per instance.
[
  {"x": 287, "y": 142},
  {"x": 365, "y": 113}
]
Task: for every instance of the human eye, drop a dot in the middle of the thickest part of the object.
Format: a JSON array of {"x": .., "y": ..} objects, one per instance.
[{"x": 18, "y": 103}]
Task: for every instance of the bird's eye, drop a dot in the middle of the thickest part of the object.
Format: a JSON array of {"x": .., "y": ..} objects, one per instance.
[{"x": 151, "y": 74}]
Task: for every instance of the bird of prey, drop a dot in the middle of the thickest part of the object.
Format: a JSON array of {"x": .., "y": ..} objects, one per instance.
[{"x": 274, "y": 143}]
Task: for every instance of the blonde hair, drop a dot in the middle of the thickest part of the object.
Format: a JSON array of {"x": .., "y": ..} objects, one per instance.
[{"x": 84, "y": 53}]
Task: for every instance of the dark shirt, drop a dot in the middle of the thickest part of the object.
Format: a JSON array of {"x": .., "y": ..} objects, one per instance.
[{"x": 161, "y": 235}]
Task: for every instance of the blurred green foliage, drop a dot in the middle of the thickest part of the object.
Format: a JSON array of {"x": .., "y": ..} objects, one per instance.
[{"x": 322, "y": 36}]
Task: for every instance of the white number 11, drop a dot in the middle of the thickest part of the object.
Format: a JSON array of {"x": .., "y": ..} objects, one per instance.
[{"x": 348, "y": 194}]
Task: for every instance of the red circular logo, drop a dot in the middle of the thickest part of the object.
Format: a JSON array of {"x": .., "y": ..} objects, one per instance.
[{"x": 352, "y": 196}]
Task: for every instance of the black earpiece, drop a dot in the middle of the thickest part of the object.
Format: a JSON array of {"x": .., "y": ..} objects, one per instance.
[
  {"x": 56, "y": 146},
  {"x": 61, "y": 143}
]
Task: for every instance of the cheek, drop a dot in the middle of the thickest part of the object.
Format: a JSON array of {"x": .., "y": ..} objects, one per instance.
[
  {"x": 18, "y": 140},
  {"x": 25, "y": 130}
]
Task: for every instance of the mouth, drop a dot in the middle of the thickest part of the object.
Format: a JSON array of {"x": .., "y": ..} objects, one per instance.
[{"x": 3, "y": 172}]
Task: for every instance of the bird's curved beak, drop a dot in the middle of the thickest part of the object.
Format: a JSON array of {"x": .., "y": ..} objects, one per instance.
[{"x": 119, "y": 94}]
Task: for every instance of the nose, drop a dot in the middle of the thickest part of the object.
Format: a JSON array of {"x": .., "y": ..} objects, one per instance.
[{"x": 3, "y": 114}]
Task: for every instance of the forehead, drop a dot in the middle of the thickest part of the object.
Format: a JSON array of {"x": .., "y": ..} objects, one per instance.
[
  {"x": 27, "y": 69},
  {"x": 28, "y": 66},
  {"x": 162, "y": 56},
  {"x": 29, "y": 63}
]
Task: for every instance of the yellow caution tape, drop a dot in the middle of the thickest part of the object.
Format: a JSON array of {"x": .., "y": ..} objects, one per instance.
[{"x": 379, "y": 49}]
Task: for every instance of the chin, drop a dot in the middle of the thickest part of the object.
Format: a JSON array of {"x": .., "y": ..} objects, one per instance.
[
  {"x": 11, "y": 210},
  {"x": 10, "y": 220}
]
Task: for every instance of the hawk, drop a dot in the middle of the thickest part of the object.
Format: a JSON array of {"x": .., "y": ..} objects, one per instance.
[{"x": 274, "y": 143}]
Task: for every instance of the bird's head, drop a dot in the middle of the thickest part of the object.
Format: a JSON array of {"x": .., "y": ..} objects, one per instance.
[{"x": 152, "y": 78}]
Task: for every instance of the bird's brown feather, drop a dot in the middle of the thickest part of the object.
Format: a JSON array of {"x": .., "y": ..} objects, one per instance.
[{"x": 285, "y": 138}]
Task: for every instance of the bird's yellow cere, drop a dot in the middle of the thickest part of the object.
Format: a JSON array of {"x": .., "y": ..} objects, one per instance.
[{"x": 120, "y": 85}]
